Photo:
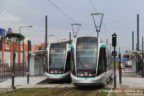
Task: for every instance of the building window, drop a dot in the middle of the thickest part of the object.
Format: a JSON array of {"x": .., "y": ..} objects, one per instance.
[
  {"x": 21, "y": 47},
  {"x": 7, "y": 45}
]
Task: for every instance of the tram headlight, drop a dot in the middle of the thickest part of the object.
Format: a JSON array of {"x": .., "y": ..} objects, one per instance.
[
  {"x": 51, "y": 71},
  {"x": 80, "y": 74},
  {"x": 60, "y": 71}
]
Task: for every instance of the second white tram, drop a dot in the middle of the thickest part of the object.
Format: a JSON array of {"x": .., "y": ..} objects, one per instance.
[
  {"x": 58, "y": 61},
  {"x": 91, "y": 62}
]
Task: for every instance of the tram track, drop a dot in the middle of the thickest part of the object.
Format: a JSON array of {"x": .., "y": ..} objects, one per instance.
[
  {"x": 48, "y": 88},
  {"x": 43, "y": 92},
  {"x": 56, "y": 90},
  {"x": 70, "y": 92},
  {"x": 17, "y": 91}
]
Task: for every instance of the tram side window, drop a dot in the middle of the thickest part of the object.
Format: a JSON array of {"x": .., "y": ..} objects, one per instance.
[
  {"x": 72, "y": 61},
  {"x": 102, "y": 61}
]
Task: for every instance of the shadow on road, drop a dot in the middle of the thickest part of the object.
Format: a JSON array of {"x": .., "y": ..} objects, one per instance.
[{"x": 46, "y": 81}]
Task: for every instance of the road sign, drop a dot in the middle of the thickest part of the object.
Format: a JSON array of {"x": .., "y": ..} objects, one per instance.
[{"x": 124, "y": 60}]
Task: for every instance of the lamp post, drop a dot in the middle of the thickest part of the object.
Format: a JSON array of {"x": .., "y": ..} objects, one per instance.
[
  {"x": 29, "y": 48},
  {"x": 23, "y": 47},
  {"x": 13, "y": 67},
  {"x": 97, "y": 18},
  {"x": 50, "y": 35},
  {"x": 60, "y": 40}
]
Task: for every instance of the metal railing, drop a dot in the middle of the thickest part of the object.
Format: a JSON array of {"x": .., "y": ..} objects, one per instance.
[{"x": 6, "y": 70}]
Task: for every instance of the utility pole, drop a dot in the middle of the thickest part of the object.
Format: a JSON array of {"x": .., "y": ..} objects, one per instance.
[
  {"x": 137, "y": 32},
  {"x": 46, "y": 60},
  {"x": 45, "y": 32},
  {"x": 23, "y": 47},
  {"x": 142, "y": 44},
  {"x": 142, "y": 57},
  {"x": 132, "y": 40}
]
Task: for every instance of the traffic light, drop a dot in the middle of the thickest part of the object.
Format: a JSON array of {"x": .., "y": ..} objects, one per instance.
[
  {"x": 114, "y": 40},
  {"x": 29, "y": 45}
]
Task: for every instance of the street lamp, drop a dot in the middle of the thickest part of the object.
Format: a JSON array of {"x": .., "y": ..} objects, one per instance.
[
  {"x": 23, "y": 48},
  {"x": 97, "y": 18},
  {"x": 75, "y": 25},
  {"x": 23, "y": 27},
  {"x": 60, "y": 40},
  {"x": 50, "y": 35}
]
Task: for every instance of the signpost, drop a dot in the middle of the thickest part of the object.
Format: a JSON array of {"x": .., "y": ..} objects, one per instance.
[{"x": 119, "y": 67}]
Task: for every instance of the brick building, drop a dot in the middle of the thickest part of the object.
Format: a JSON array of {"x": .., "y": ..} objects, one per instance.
[{"x": 6, "y": 53}]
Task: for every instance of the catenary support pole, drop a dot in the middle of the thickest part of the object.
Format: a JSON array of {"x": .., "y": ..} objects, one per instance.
[
  {"x": 138, "y": 32},
  {"x": 132, "y": 40},
  {"x": 46, "y": 32}
]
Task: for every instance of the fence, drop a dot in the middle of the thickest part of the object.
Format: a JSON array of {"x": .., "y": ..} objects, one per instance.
[{"x": 5, "y": 71}]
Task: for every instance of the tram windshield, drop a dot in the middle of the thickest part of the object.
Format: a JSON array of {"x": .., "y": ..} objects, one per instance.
[
  {"x": 86, "y": 54},
  {"x": 57, "y": 56}
]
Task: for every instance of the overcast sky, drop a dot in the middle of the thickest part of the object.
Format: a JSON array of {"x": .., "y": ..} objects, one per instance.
[{"x": 119, "y": 17}]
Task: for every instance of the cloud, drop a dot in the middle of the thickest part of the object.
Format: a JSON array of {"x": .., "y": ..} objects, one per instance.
[{"x": 7, "y": 17}]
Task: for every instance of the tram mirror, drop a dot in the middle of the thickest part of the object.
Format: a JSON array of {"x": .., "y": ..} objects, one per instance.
[{"x": 52, "y": 51}]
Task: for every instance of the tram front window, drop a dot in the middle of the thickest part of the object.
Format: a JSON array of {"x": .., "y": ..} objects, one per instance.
[
  {"x": 86, "y": 56},
  {"x": 57, "y": 58}
]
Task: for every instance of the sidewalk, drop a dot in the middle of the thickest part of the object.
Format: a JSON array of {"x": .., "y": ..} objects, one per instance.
[
  {"x": 130, "y": 80},
  {"x": 22, "y": 81}
]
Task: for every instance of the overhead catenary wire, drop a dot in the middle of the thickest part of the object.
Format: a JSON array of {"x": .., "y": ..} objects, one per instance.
[
  {"x": 93, "y": 6},
  {"x": 84, "y": 31},
  {"x": 104, "y": 26},
  {"x": 60, "y": 10}
]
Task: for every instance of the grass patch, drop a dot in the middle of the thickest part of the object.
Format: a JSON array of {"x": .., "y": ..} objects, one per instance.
[
  {"x": 56, "y": 92},
  {"x": 103, "y": 92},
  {"x": 100, "y": 92}
]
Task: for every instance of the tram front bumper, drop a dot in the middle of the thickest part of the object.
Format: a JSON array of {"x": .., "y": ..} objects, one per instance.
[
  {"x": 92, "y": 81},
  {"x": 58, "y": 76}
]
